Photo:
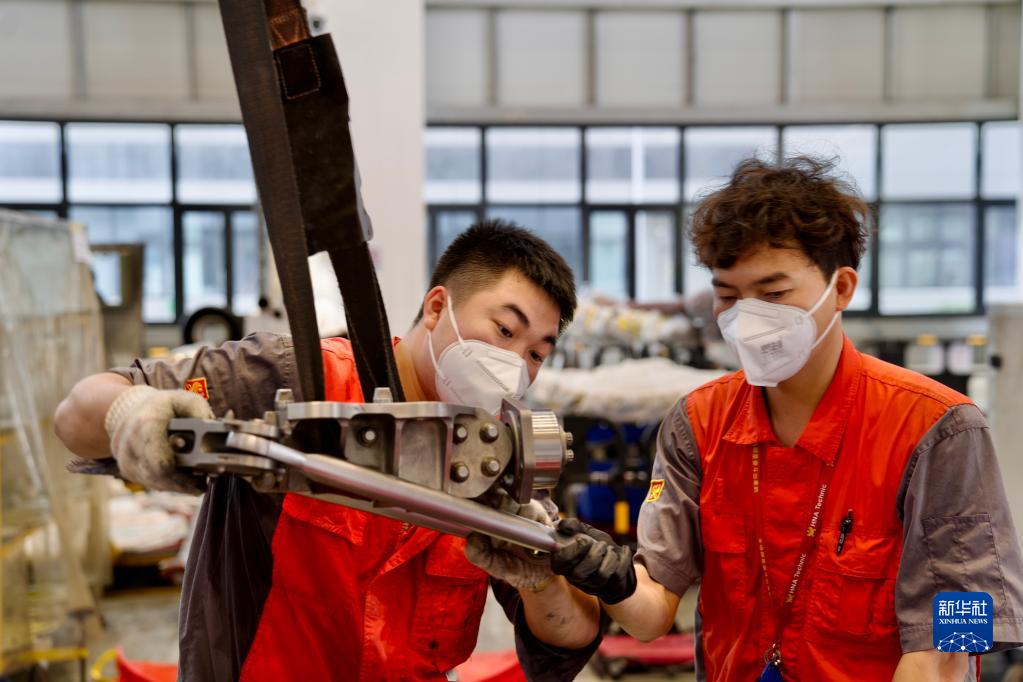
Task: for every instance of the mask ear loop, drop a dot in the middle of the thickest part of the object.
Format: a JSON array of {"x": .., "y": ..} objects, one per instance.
[
  {"x": 433, "y": 356},
  {"x": 824, "y": 296},
  {"x": 451, "y": 316},
  {"x": 430, "y": 337},
  {"x": 818, "y": 304}
]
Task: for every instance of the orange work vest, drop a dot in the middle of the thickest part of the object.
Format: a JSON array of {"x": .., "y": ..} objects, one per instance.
[
  {"x": 360, "y": 597},
  {"x": 843, "y": 625}
]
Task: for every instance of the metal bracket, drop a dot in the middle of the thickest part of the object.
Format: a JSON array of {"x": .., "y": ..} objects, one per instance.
[{"x": 421, "y": 462}]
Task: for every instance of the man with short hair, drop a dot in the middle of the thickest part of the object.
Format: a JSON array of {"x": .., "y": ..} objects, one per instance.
[
  {"x": 823, "y": 497},
  {"x": 289, "y": 587}
]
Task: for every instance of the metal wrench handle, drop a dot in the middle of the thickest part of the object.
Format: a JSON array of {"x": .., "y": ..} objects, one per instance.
[{"x": 416, "y": 499}]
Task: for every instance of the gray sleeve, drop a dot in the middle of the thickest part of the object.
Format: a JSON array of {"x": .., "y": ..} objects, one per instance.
[
  {"x": 958, "y": 531},
  {"x": 240, "y": 375},
  {"x": 669, "y": 520}
]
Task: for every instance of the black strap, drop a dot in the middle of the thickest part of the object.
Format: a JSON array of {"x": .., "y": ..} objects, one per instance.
[
  {"x": 295, "y": 108},
  {"x": 255, "y": 76},
  {"x": 316, "y": 108}
]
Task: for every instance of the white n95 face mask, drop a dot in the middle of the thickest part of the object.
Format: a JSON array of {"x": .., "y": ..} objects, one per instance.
[
  {"x": 772, "y": 340},
  {"x": 476, "y": 373}
]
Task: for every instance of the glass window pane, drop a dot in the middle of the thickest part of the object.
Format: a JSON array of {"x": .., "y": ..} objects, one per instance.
[
  {"x": 927, "y": 258},
  {"x": 1001, "y": 255},
  {"x": 929, "y": 161},
  {"x": 853, "y": 148},
  {"x": 152, "y": 226},
  {"x": 632, "y": 165},
  {"x": 560, "y": 226},
  {"x": 214, "y": 165},
  {"x": 1000, "y": 171},
  {"x": 39, "y": 212},
  {"x": 106, "y": 273},
  {"x": 450, "y": 224},
  {"x": 246, "y": 262},
  {"x": 119, "y": 162},
  {"x": 609, "y": 232},
  {"x": 695, "y": 276},
  {"x": 533, "y": 164},
  {"x": 204, "y": 271},
  {"x": 30, "y": 162},
  {"x": 711, "y": 154},
  {"x": 452, "y": 166},
  {"x": 862, "y": 296},
  {"x": 655, "y": 256}
]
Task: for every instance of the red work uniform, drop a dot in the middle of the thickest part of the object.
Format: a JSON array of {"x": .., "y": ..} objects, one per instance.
[
  {"x": 910, "y": 458},
  {"x": 285, "y": 587}
]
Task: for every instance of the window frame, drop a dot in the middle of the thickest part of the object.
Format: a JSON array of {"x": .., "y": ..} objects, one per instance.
[
  {"x": 681, "y": 207},
  {"x": 178, "y": 208}
]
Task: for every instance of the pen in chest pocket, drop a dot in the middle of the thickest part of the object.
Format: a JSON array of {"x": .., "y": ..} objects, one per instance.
[{"x": 844, "y": 530}]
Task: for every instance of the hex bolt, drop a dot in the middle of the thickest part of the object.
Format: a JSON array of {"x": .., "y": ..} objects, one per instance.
[
  {"x": 368, "y": 437},
  {"x": 459, "y": 472},
  {"x": 490, "y": 466},
  {"x": 489, "y": 433},
  {"x": 569, "y": 438},
  {"x": 461, "y": 433}
]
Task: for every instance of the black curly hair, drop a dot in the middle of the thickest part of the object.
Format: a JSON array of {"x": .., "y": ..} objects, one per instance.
[{"x": 797, "y": 202}]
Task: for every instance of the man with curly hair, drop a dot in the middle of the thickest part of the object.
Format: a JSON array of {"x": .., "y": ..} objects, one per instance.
[{"x": 822, "y": 497}]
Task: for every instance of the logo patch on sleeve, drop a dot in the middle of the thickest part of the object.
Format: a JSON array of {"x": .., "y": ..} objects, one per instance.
[
  {"x": 656, "y": 488},
  {"x": 198, "y": 386}
]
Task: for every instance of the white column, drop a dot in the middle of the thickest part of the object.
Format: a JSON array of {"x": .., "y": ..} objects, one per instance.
[
  {"x": 1005, "y": 338},
  {"x": 380, "y": 45}
]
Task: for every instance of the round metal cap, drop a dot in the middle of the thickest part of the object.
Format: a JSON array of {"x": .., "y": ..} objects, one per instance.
[{"x": 549, "y": 444}]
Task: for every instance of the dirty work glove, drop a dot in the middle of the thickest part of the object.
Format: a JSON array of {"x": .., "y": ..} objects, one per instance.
[
  {"x": 594, "y": 563},
  {"x": 137, "y": 424},
  {"x": 509, "y": 562}
]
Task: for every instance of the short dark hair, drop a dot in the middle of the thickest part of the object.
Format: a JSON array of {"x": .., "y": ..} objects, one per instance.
[
  {"x": 798, "y": 201},
  {"x": 481, "y": 255}
]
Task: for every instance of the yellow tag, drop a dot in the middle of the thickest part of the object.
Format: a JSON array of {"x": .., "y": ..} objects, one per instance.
[
  {"x": 656, "y": 488},
  {"x": 621, "y": 517}
]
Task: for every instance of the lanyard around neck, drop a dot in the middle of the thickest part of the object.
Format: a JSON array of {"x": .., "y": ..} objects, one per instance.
[{"x": 809, "y": 541}]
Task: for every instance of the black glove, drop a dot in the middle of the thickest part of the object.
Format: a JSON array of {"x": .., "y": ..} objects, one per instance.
[{"x": 592, "y": 561}]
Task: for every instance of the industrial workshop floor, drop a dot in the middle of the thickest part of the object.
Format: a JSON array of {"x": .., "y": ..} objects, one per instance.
[{"x": 144, "y": 624}]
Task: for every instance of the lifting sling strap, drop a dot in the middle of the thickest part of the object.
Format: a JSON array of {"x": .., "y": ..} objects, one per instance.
[{"x": 295, "y": 109}]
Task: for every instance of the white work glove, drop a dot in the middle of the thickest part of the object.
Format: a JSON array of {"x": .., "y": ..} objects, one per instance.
[
  {"x": 509, "y": 562},
  {"x": 137, "y": 424}
]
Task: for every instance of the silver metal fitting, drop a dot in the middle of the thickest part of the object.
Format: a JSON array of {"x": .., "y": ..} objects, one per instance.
[
  {"x": 490, "y": 466},
  {"x": 460, "y": 472},
  {"x": 489, "y": 432},
  {"x": 549, "y": 445},
  {"x": 367, "y": 437}
]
